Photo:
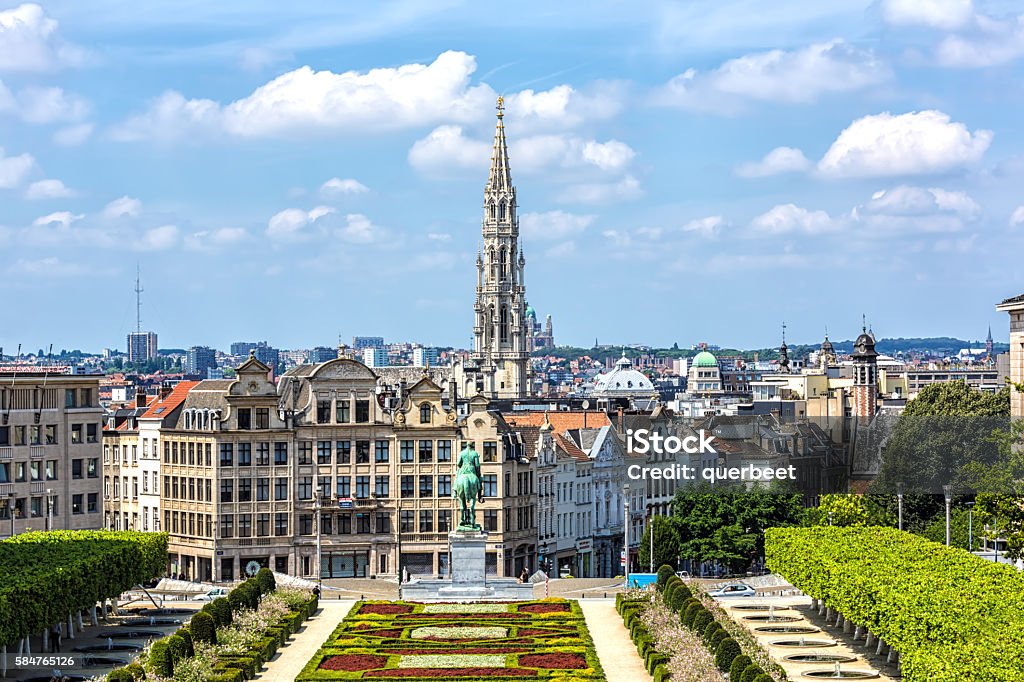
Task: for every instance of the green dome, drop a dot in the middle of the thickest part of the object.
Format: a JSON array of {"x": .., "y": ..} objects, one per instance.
[
  {"x": 530, "y": 312},
  {"x": 704, "y": 359}
]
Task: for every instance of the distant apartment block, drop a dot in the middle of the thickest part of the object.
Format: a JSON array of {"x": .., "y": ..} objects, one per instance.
[
  {"x": 375, "y": 357},
  {"x": 360, "y": 343},
  {"x": 239, "y": 348},
  {"x": 141, "y": 346},
  {"x": 199, "y": 359},
  {"x": 322, "y": 354},
  {"x": 425, "y": 357}
]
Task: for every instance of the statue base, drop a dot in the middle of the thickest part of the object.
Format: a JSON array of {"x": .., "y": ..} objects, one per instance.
[{"x": 469, "y": 581}]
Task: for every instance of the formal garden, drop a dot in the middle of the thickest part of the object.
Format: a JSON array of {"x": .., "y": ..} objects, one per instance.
[{"x": 389, "y": 640}]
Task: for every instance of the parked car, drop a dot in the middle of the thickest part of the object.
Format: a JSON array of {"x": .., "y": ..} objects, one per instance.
[
  {"x": 683, "y": 574},
  {"x": 734, "y": 590},
  {"x": 215, "y": 593}
]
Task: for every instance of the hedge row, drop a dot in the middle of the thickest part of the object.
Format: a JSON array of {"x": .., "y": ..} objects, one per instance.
[
  {"x": 951, "y": 616},
  {"x": 655, "y": 661},
  {"x": 47, "y": 576}
]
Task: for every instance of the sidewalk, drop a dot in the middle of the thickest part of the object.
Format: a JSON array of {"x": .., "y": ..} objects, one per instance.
[
  {"x": 291, "y": 658},
  {"x": 615, "y": 650}
]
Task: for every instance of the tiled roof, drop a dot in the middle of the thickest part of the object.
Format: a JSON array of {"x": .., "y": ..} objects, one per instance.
[
  {"x": 560, "y": 421},
  {"x": 530, "y": 435},
  {"x": 160, "y": 408},
  {"x": 569, "y": 447}
]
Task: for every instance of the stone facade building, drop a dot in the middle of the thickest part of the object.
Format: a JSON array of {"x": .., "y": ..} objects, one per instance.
[{"x": 1015, "y": 308}]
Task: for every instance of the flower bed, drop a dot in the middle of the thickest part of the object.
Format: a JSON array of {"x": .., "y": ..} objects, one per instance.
[{"x": 536, "y": 640}]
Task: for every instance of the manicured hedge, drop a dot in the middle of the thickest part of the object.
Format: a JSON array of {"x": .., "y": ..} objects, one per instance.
[
  {"x": 47, "y": 576},
  {"x": 951, "y": 615}
]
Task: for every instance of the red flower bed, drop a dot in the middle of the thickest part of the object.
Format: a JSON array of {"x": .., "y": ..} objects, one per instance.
[
  {"x": 462, "y": 650},
  {"x": 386, "y": 609},
  {"x": 544, "y": 608},
  {"x": 455, "y": 673},
  {"x": 550, "y": 661},
  {"x": 456, "y": 616},
  {"x": 353, "y": 662},
  {"x": 536, "y": 632}
]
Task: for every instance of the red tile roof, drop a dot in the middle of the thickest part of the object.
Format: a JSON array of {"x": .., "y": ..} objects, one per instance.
[
  {"x": 569, "y": 447},
  {"x": 173, "y": 400},
  {"x": 560, "y": 421}
]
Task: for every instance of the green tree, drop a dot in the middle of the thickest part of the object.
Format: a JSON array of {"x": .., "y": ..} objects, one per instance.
[
  {"x": 959, "y": 522},
  {"x": 666, "y": 542}
]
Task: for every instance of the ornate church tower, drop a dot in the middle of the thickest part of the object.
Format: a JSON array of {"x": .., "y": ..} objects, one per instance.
[
  {"x": 499, "y": 333},
  {"x": 865, "y": 376}
]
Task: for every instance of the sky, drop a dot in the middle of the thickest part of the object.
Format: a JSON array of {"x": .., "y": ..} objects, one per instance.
[{"x": 696, "y": 171}]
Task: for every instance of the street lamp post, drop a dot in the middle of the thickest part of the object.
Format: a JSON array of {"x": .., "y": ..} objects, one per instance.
[
  {"x": 948, "y": 492},
  {"x": 830, "y": 518},
  {"x": 899, "y": 501},
  {"x": 625, "y": 528},
  {"x": 49, "y": 509},
  {"x": 970, "y": 526},
  {"x": 10, "y": 509},
  {"x": 650, "y": 550},
  {"x": 213, "y": 559},
  {"x": 316, "y": 520}
]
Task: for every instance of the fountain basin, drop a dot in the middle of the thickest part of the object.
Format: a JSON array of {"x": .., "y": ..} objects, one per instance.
[
  {"x": 841, "y": 674},
  {"x": 135, "y": 634},
  {"x": 805, "y": 644},
  {"x": 113, "y": 647},
  {"x": 163, "y": 612},
  {"x": 819, "y": 657},
  {"x": 152, "y": 621},
  {"x": 788, "y": 629},
  {"x": 759, "y": 607},
  {"x": 772, "y": 619}
]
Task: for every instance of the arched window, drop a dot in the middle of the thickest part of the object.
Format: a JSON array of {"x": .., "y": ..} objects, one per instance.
[
  {"x": 501, "y": 210},
  {"x": 490, "y": 209},
  {"x": 493, "y": 263},
  {"x": 503, "y": 262},
  {"x": 504, "y": 324},
  {"x": 425, "y": 413}
]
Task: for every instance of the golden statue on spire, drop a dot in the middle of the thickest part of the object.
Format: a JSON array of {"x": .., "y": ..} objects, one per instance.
[{"x": 501, "y": 106}]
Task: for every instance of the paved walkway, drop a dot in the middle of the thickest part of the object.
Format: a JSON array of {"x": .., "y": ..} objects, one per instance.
[
  {"x": 615, "y": 650},
  {"x": 290, "y": 659}
]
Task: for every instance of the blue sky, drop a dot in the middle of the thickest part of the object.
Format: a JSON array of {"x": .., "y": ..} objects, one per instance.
[{"x": 687, "y": 171}]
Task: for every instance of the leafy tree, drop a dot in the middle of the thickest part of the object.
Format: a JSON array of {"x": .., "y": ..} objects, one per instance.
[
  {"x": 666, "y": 542},
  {"x": 959, "y": 523}
]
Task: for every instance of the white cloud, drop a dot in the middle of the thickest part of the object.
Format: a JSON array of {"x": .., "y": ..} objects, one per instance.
[
  {"x": 796, "y": 76},
  {"x": 777, "y": 161},
  {"x": 48, "y": 105},
  {"x": 62, "y": 219},
  {"x": 72, "y": 136},
  {"x": 49, "y": 267},
  {"x": 359, "y": 229},
  {"x": 1017, "y": 217},
  {"x": 446, "y": 146},
  {"x": 563, "y": 250},
  {"x": 123, "y": 207},
  {"x": 991, "y": 42},
  {"x": 336, "y": 186},
  {"x": 14, "y": 169},
  {"x": 602, "y": 192},
  {"x": 941, "y": 14},
  {"x": 49, "y": 189},
  {"x": 905, "y": 209},
  {"x": 915, "y": 143},
  {"x": 208, "y": 240},
  {"x": 289, "y": 224},
  {"x": 786, "y": 218},
  {"x": 707, "y": 227},
  {"x": 29, "y": 41},
  {"x": 610, "y": 155},
  {"x": 439, "y": 236},
  {"x": 157, "y": 239},
  {"x": 564, "y": 106},
  {"x": 553, "y": 225}
]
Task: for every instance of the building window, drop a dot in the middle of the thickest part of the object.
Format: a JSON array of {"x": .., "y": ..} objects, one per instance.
[
  {"x": 76, "y": 434},
  {"x": 342, "y": 411},
  {"x": 262, "y": 454},
  {"x": 444, "y": 451},
  {"x": 262, "y": 489},
  {"x": 362, "y": 487},
  {"x": 245, "y": 490},
  {"x": 227, "y": 490},
  {"x": 323, "y": 411},
  {"x": 444, "y": 485},
  {"x": 491, "y": 520},
  {"x": 363, "y": 523},
  {"x": 425, "y": 413},
  {"x": 405, "y": 451},
  {"x": 92, "y": 469},
  {"x": 323, "y": 452},
  {"x": 244, "y": 419},
  {"x": 381, "y": 486},
  {"x": 490, "y": 485},
  {"x": 344, "y": 524},
  {"x": 281, "y": 487},
  {"x": 280, "y": 453},
  {"x": 426, "y": 520},
  {"x": 444, "y": 520},
  {"x": 490, "y": 451},
  {"x": 281, "y": 524},
  {"x": 305, "y": 488},
  {"x": 326, "y": 524},
  {"x": 426, "y": 486},
  {"x": 227, "y": 454},
  {"x": 208, "y": 449},
  {"x": 362, "y": 452},
  {"x": 244, "y": 525},
  {"x": 262, "y": 417},
  {"x": 343, "y": 451},
  {"x": 408, "y": 486},
  {"x": 76, "y": 504},
  {"x": 92, "y": 503},
  {"x": 406, "y": 522},
  {"x": 380, "y": 453},
  {"x": 76, "y": 470},
  {"x": 244, "y": 454},
  {"x": 324, "y": 486},
  {"x": 305, "y": 452},
  {"x": 343, "y": 486},
  {"x": 262, "y": 525},
  {"x": 383, "y": 523},
  {"x": 227, "y": 526},
  {"x": 426, "y": 451}
]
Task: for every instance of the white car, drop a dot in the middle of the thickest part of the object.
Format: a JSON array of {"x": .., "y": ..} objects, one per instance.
[
  {"x": 733, "y": 590},
  {"x": 215, "y": 593}
]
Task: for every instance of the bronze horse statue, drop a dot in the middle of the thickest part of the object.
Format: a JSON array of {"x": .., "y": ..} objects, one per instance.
[{"x": 468, "y": 488}]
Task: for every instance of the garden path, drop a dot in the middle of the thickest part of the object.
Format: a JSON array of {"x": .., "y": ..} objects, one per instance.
[
  {"x": 290, "y": 659},
  {"x": 615, "y": 650}
]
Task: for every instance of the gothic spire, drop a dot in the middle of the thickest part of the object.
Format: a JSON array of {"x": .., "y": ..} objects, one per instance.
[{"x": 500, "y": 179}]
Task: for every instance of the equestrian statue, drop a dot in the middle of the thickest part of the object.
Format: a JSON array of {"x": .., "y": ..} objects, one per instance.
[{"x": 468, "y": 488}]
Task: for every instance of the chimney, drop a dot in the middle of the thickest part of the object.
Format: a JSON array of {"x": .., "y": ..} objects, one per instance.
[
  {"x": 620, "y": 418},
  {"x": 165, "y": 390},
  {"x": 140, "y": 398}
]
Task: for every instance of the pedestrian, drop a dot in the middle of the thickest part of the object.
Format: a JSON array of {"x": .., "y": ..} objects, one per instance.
[
  {"x": 524, "y": 576},
  {"x": 55, "y": 634}
]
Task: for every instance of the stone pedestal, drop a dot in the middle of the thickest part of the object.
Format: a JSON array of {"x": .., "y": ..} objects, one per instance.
[{"x": 469, "y": 580}]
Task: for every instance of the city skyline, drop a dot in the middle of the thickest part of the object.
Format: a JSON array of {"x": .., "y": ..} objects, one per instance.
[{"x": 333, "y": 161}]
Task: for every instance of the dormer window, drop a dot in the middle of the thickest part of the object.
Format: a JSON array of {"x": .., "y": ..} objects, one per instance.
[{"x": 425, "y": 413}]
